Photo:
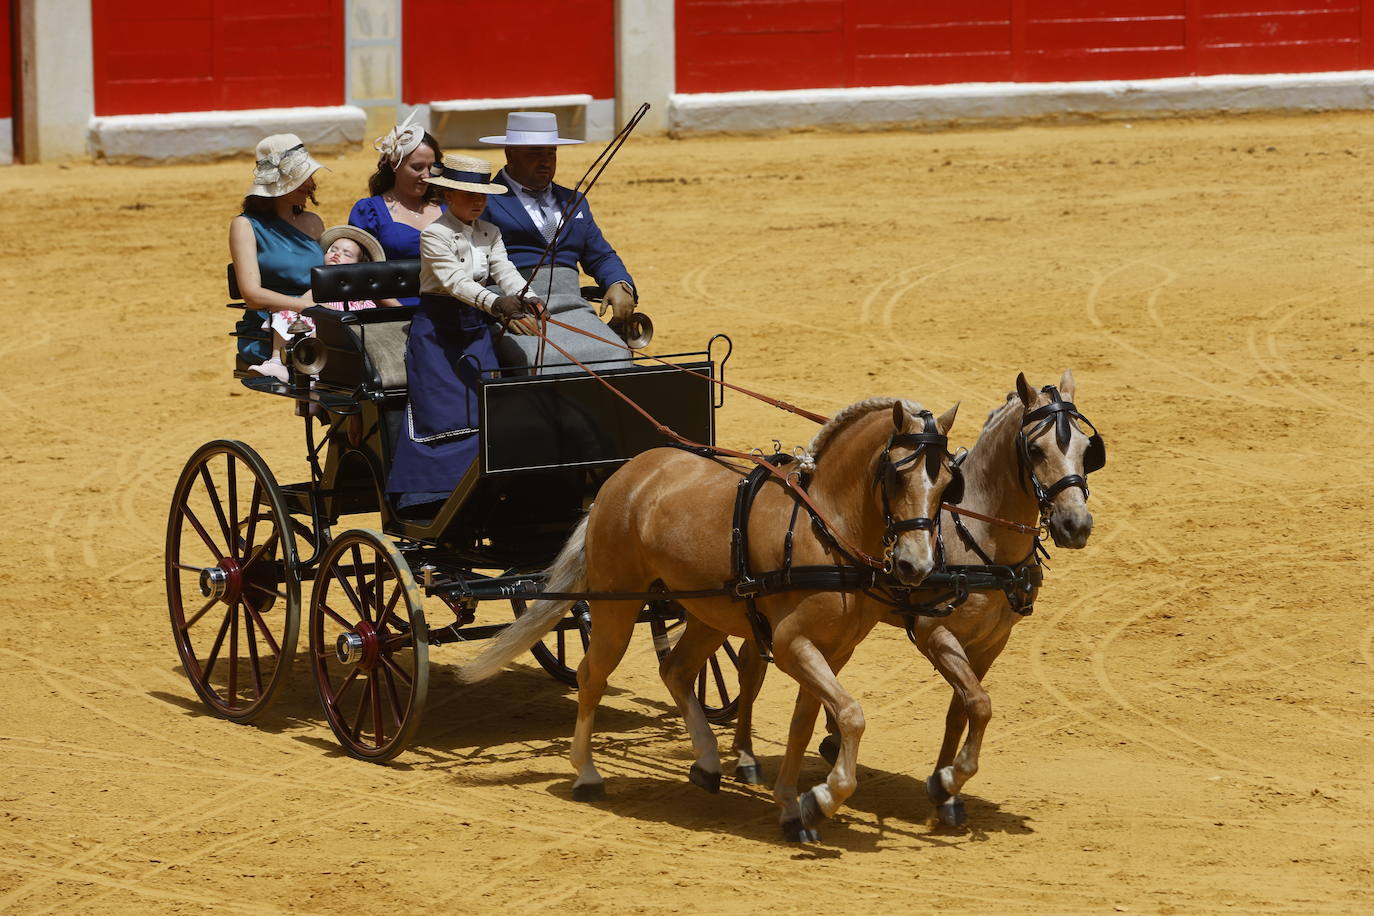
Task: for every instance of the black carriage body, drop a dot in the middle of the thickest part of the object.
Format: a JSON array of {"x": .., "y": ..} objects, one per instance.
[
  {"x": 547, "y": 445},
  {"x": 547, "y": 442}
]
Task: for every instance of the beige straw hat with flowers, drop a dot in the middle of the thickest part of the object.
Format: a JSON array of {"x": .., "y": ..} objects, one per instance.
[{"x": 283, "y": 166}]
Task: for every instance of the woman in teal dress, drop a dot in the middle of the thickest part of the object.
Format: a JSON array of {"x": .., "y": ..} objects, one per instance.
[{"x": 274, "y": 243}]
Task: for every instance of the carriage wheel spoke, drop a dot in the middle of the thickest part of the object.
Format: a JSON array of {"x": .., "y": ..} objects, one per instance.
[
  {"x": 378, "y": 578},
  {"x": 253, "y": 515},
  {"x": 358, "y": 574},
  {"x": 214, "y": 651},
  {"x": 720, "y": 680},
  {"x": 397, "y": 643},
  {"x": 376, "y": 693},
  {"x": 252, "y": 651},
  {"x": 358, "y": 717},
  {"x": 200, "y": 530},
  {"x": 400, "y": 672},
  {"x": 263, "y": 549},
  {"x": 267, "y": 591},
  {"x": 199, "y": 614},
  {"x": 187, "y": 567},
  {"x": 397, "y": 713},
  {"x": 234, "y": 655},
  {"x": 335, "y": 617},
  {"x": 217, "y": 505},
  {"x": 256, "y": 616},
  {"x": 730, "y": 651},
  {"x": 229, "y": 464},
  {"x": 343, "y": 688},
  {"x": 350, "y": 594}
]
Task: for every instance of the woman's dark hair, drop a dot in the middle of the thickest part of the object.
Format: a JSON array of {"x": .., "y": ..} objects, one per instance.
[
  {"x": 266, "y": 207},
  {"x": 384, "y": 179}
]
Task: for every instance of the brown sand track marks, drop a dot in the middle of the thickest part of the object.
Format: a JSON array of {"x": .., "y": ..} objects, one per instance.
[{"x": 1234, "y": 530}]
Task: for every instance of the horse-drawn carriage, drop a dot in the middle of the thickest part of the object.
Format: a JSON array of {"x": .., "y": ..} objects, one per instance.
[
  {"x": 240, "y": 545},
  {"x": 874, "y": 483}
]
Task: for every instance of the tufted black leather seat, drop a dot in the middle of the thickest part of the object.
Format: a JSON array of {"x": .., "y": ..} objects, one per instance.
[{"x": 368, "y": 280}]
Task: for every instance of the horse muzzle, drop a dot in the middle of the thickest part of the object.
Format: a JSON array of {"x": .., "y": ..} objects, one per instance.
[{"x": 1070, "y": 530}]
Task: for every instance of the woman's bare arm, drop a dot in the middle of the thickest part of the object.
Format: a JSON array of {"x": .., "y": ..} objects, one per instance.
[{"x": 243, "y": 249}]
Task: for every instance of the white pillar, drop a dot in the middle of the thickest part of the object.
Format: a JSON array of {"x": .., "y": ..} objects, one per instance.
[
  {"x": 373, "y": 67},
  {"x": 645, "y": 61},
  {"x": 57, "y": 77}
]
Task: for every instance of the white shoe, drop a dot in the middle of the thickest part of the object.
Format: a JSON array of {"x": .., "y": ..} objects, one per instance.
[{"x": 273, "y": 368}]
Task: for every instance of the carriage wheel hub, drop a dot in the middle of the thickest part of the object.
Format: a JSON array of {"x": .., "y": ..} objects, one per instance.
[
  {"x": 222, "y": 581},
  {"x": 359, "y": 646}
]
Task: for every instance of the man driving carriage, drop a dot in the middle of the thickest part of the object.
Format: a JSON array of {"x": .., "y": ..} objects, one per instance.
[{"x": 528, "y": 217}]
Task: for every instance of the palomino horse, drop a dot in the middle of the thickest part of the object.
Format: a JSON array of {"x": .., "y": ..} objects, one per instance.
[
  {"x": 1036, "y": 436},
  {"x": 664, "y": 519}
]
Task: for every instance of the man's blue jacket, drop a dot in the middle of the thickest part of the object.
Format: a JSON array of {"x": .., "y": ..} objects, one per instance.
[{"x": 580, "y": 241}]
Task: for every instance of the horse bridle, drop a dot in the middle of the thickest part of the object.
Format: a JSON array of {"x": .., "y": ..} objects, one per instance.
[
  {"x": 1061, "y": 414},
  {"x": 933, "y": 446}
]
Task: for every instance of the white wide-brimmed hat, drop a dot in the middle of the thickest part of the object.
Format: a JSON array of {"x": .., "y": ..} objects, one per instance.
[
  {"x": 366, "y": 240},
  {"x": 283, "y": 166},
  {"x": 464, "y": 173},
  {"x": 530, "y": 128}
]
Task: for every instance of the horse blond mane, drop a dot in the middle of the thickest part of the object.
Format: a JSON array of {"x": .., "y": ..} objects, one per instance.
[
  {"x": 996, "y": 412},
  {"x": 852, "y": 413}
]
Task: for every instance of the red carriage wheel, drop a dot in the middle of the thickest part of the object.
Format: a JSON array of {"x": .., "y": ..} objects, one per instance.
[
  {"x": 233, "y": 587},
  {"x": 369, "y": 645}
]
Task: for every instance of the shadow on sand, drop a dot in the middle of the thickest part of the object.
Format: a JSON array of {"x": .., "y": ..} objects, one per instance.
[{"x": 524, "y": 717}]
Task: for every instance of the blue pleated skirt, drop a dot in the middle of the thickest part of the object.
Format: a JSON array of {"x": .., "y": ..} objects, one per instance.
[{"x": 449, "y": 350}]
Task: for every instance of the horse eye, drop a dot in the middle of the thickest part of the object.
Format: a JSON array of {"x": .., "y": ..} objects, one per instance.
[{"x": 1036, "y": 452}]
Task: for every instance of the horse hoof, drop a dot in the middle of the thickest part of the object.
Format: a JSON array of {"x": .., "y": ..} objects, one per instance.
[
  {"x": 952, "y": 813},
  {"x": 708, "y": 781},
  {"x": 750, "y": 774},
  {"x": 590, "y": 792},
  {"x": 829, "y": 749},
  {"x": 811, "y": 813},
  {"x": 935, "y": 789},
  {"x": 795, "y": 832}
]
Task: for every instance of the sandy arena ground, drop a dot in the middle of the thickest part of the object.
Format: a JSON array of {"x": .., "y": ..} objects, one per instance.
[{"x": 1186, "y": 725}]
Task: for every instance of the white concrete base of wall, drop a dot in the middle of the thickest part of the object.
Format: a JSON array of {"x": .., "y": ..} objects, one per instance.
[
  {"x": 213, "y": 134},
  {"x": 6, "y": 141},
  {"x": 754, "y": 111}
]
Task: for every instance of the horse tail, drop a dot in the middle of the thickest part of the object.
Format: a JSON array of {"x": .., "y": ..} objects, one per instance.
[{"x": 567, "y": 574}]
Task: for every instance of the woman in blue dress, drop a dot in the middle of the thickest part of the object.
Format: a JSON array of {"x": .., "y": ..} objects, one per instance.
[
  {"x": 402, "y": 202},
  {"x": 274, "y": 242}
]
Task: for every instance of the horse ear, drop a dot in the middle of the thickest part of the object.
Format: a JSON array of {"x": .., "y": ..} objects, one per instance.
[
  {"x": 1023, "y": 390},
  {"x": 1066, "y": 384},
  {"x": 898, "y": 415},
  {"x": 946, "y": 419}
]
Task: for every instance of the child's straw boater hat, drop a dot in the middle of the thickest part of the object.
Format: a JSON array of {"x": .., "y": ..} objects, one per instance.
[
  {"x": 366, "y": 240},
  {"x": 464, "y": 173},
  {"x": 283, "y": 166},
  {"x": 530, "y": 128}
]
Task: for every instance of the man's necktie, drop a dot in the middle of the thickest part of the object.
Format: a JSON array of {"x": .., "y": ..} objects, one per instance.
[{"x": 548, "y": 216}]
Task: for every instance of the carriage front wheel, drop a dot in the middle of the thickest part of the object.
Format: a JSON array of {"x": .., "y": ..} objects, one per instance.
[
  {"x": 233, "y": 588},
  {"x": 369, "y": 645}
]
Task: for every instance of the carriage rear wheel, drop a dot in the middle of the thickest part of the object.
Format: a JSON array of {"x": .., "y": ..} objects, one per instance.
[
  {"x": 368, "y": 645},
  {"x": 233, "y": 587},
  {"x": 560, "y": 652},
  {"x": 717, "y": 683}
]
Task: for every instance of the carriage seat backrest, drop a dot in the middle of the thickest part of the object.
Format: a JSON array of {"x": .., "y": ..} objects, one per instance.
[
  {"x": 366, "y": 280},
  {"x": 368, "y": 348}
]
